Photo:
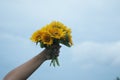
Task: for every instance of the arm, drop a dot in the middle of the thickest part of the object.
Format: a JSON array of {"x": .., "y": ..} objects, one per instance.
[{"x": 23, "y": 71}]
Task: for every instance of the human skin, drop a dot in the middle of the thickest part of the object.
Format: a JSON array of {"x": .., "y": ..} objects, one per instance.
[{"x": 24, "y": 71}]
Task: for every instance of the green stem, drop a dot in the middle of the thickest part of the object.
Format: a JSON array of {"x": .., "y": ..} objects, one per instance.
[{"x": 56, "y": 59}]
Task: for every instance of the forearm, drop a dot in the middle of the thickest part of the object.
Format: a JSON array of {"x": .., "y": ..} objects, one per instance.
[{"x": 25, "y": 70}]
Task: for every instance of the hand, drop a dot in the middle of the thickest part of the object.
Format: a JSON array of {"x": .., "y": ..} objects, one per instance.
[{"x": 53, "y": 50}]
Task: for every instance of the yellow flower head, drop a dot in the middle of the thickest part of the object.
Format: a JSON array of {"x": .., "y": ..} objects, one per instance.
[
  {"x": 36, "y": 36},
  {"x": 46, "y": 39},
  {"x": 56, "y": 33},
  {"x": 70, "y": 39},
  {"x": 56, "y": 24},
  {"x": 52, "y": 32}
]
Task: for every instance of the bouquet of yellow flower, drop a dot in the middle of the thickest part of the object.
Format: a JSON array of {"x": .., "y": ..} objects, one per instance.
[{"x": 54, "y": 33}]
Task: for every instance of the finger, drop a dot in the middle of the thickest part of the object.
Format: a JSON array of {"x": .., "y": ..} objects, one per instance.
[
  {"x": 57, "y": 53},
  {"x": 58, "y": 47}
]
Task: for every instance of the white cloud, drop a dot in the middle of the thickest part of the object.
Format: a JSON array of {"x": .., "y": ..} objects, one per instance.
[{"x": 97, "y": 53}]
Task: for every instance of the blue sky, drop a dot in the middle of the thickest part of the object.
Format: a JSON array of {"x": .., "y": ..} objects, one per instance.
[{"x": 95, "y": 28}]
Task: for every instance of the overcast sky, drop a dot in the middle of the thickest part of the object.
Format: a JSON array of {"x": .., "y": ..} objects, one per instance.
[{"x": 95, "y": 26}]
